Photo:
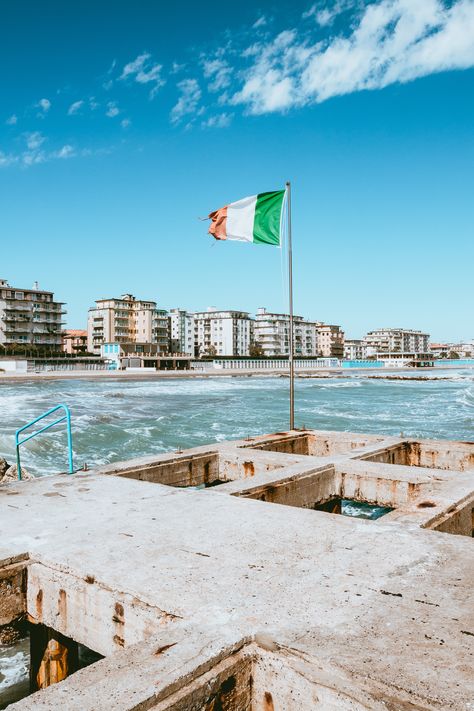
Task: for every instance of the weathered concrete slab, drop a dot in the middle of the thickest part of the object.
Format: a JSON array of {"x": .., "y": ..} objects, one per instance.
[{"x": 184, "y": 590}]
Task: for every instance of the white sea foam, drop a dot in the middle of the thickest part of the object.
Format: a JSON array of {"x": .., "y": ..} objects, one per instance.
[{"x": 14, "y": 667}]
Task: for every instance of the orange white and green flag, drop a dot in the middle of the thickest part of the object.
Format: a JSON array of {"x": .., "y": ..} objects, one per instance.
[{"x": 257, "y": 219}]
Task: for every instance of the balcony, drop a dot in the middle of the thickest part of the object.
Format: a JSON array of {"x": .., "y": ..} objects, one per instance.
[{"x": 17, "y": 329}]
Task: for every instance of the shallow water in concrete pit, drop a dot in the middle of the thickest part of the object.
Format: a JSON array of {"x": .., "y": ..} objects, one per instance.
[{"x": 114, "y": 420}]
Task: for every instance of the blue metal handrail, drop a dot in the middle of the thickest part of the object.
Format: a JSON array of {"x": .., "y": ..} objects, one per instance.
[{"x": 66, "y": 417}]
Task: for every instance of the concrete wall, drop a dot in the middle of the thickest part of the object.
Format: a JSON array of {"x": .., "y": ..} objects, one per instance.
[
  {"x": 452, "y": 456},
  {"x": 14, "y": 366}
]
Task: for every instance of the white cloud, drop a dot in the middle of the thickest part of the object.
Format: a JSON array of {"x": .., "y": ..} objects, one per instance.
[
  {"x": 75, "y": 107},
  {"x": 66, "y": 151},
  {"x": 12, "y": 120},
  {"x": 176, "y": 67},
  {"x": 219, "y": 71},
  {"x": 261, "y": 22},
  {"x": 7, "y": 159},
  {"x": 44, "y": 106},
  {"x": 217, "y": 121},
  {"x": 188, "y": 101},
  {"x": 325, "y": 16},
  {"x": 125, "y": 123},
  {"x": 33, "y": 157},
  {"x": 34, "y": 140},
  {"x": 392, "y": 41},
  {"x": 112, "y": 109},
  {"x": 144, "y": 71}
]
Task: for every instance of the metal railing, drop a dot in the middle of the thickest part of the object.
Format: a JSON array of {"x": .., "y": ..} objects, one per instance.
[{"x": 66, "y": 418}]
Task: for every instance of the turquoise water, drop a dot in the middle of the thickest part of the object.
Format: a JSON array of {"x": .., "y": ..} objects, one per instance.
[{"x": 114, "y": 420}]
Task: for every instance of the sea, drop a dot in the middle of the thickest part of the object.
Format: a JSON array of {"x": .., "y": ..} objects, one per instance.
[{"x": 114, "y": 420}]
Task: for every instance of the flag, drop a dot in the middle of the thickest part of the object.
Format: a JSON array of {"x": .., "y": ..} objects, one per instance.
[{"x": 257, "y": 219}]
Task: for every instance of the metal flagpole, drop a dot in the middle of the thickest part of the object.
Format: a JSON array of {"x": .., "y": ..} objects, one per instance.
[{"x": 291, "y": 359}]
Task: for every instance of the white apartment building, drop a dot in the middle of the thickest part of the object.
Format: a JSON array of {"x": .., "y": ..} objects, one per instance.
[
  {"x": 29, "y": 317},
  {"x": 272, "y": 333},
  {"x": 354, "y": 349},
  {"x": 126, "y": 320},
  {"x": 330, "y": 341},
  {"x": 181, "y": 331},
  {"x": 222, "y": 333},
  {"x": 396, "y": 340}
]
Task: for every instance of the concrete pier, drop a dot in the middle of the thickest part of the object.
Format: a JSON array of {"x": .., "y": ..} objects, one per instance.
[{"x": 211, "y": 578}]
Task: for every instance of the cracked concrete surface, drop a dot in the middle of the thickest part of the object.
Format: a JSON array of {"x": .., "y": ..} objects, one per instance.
[{"x": 242, "y": 596}]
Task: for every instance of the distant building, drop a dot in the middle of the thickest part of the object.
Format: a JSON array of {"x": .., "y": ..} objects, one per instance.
[
  {"x": 181, "y": 331},
  {"x": 272, "y": 333},
  {"x": 222, "y": 333},
  {"x": 127, "y": 320},
  {"x": 396, "y": 340},
  {"x": 440, "y": 350},
  {"x": 330, "y": 341},
  {"x": 122, "y": 356},
  {"x": 354, "y": 349},
  {"x": 74, "y": 341},
  {"x": 29, "y": 317}
]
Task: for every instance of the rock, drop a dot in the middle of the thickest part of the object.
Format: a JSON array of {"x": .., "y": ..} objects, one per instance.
[
  {"x": 9, "y": 635},
  {"x": 11, "y": 475},
  {"x": 3, "y": 466}
]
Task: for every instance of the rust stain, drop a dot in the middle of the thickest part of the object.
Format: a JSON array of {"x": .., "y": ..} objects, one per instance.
[
  {"x": 62, "y": 604},
  {"x": 165, "y": 647},
  {"x": 426, "y": 504},
  {"x": 89, "y": 579},
  {"x": 268, "y": 702},
  {"x": 119, "y": 616},
  {"x": 249, "y": 469},
  {"x": 39, "y": 604},
  {"x": 119, "y": 640}
]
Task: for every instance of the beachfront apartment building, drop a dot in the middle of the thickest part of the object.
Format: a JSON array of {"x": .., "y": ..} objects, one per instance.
[
  {"x": 127, "y": 320},
  {"x": 74, "y": 341},
  {"x": 222, "y": 333},
  {"x": 396, "y": 340},
  {"x": 181, "y": 328},
  {"x": 29, "y": 317},
  {"x": 354, "y": 349},
  {"x": 330, "y": 341},
  {"x": 272, "y": 334}
]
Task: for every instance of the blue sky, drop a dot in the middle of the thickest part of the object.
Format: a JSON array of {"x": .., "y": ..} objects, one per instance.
[{"x": 121, "y": 123}]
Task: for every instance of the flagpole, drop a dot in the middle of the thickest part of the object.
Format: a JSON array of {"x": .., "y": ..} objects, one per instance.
[{"x": 291, "y": 359}]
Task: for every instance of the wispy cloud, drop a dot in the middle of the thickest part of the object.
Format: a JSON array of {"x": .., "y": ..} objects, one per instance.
[
  {"x": 112, "y": 109},
  {"x": 261, "y": 22},
  {"x": 12, "y": 120},
  {"x": 144, "y": 70},
  {"x": 392, "y": 41},
  {"x": 44, "y": 106},
  {"x": 35, "y": 152},
  {"x": 7, "y": 159},
  {"x": 188, "y": 101},
  {"x": 75, "y": 107},
  {"x": 34, "y": 140},
  {"x": 219, "y": 72},
  {"x": 218, "y": 121},
  {"x": 325, "y": 16},
  {"x": 125, "y": 123},
  {"x": 66, "y": 151}
]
